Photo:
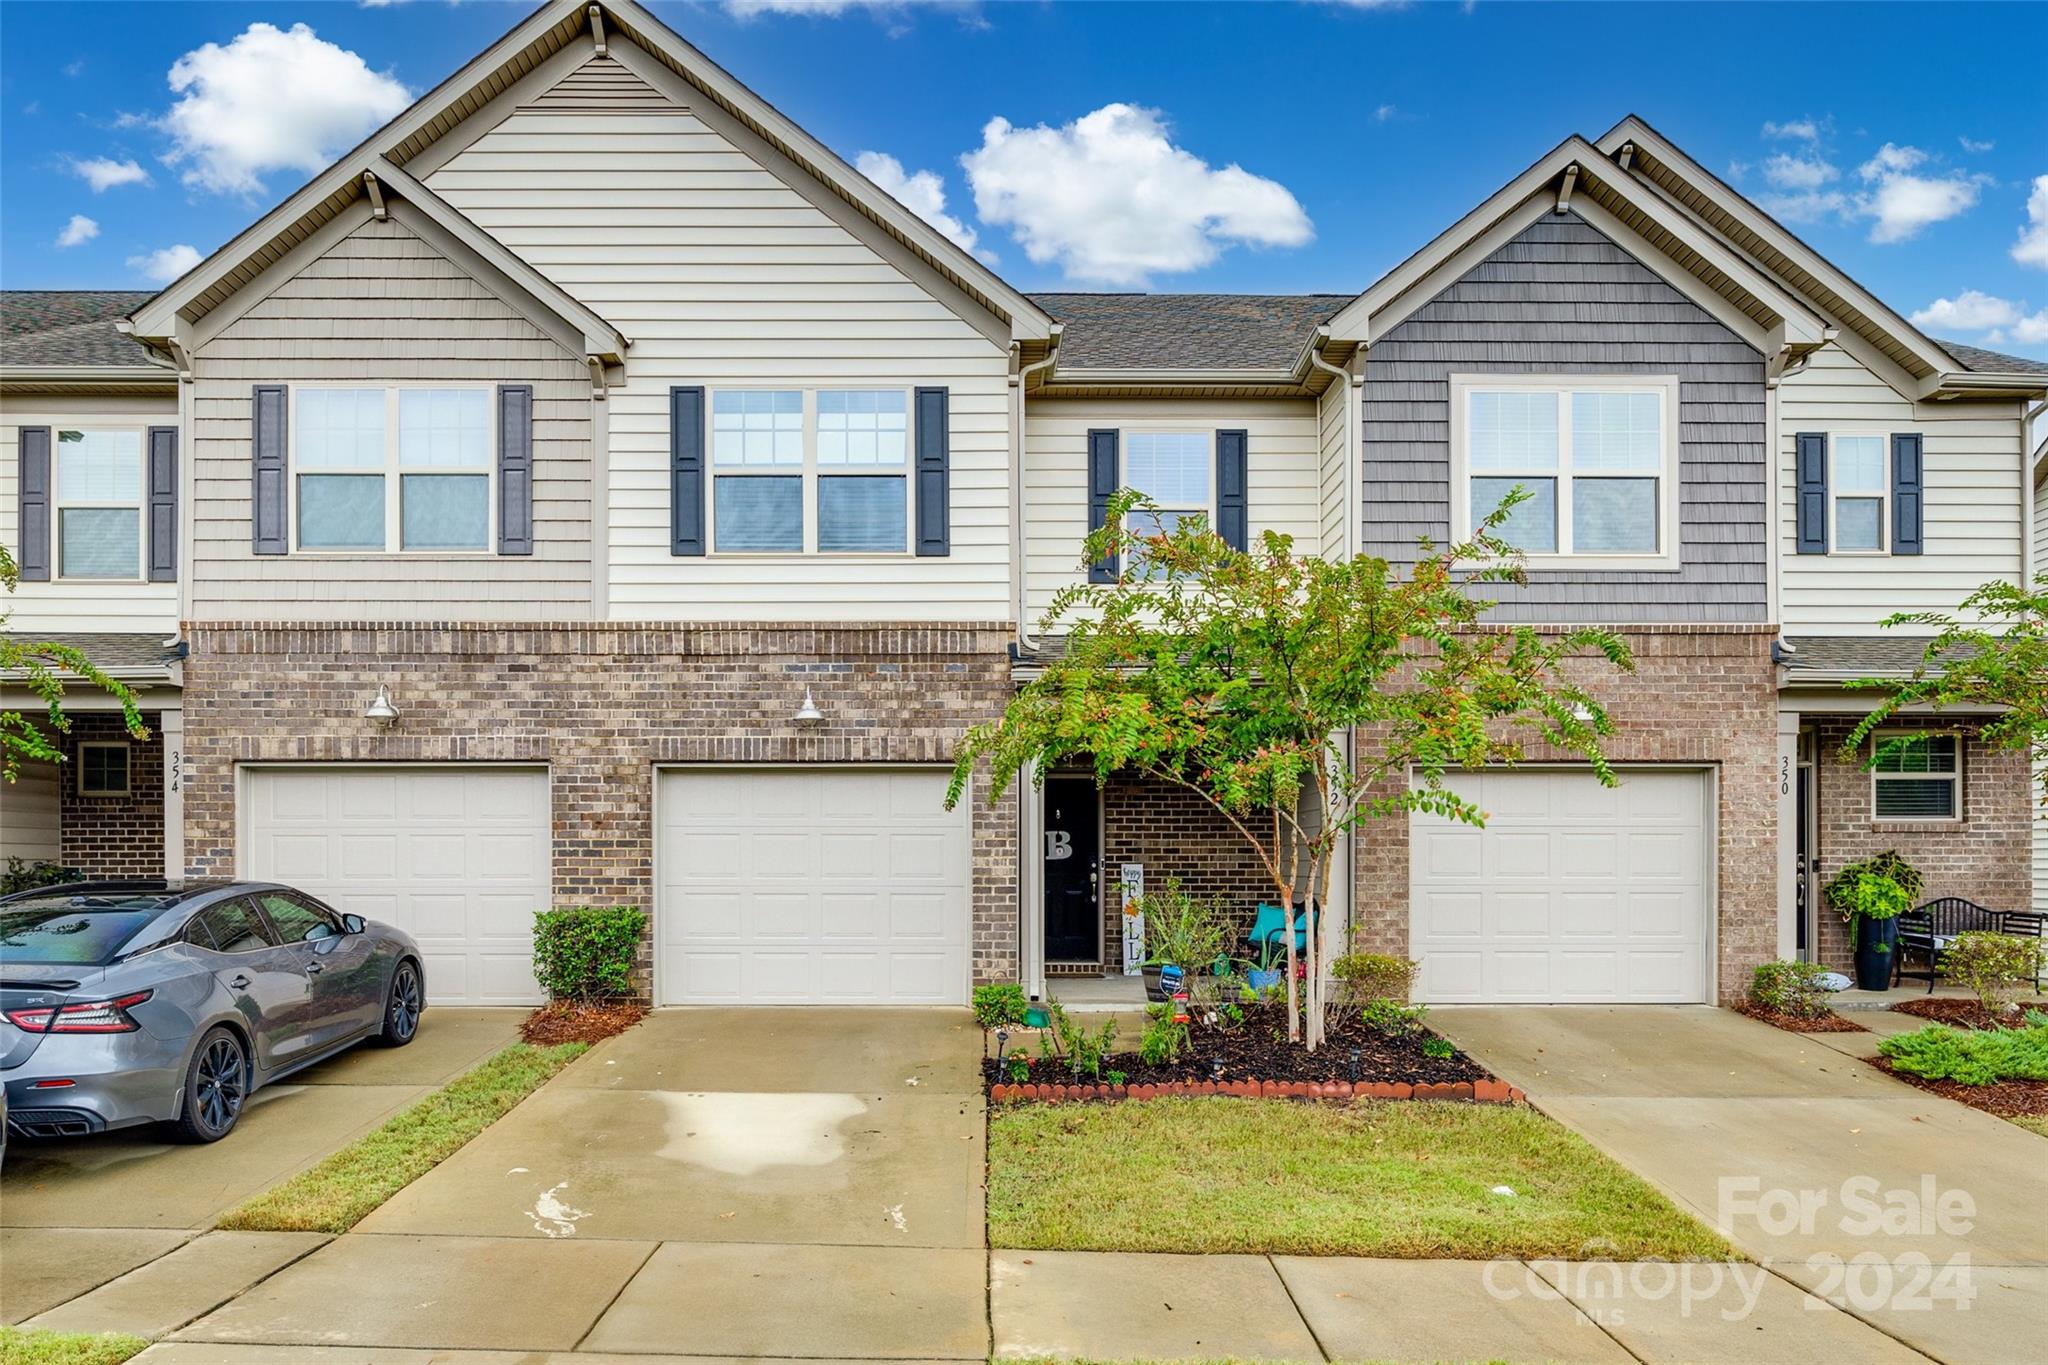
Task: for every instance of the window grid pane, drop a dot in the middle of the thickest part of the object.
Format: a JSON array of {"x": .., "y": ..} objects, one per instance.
[
  {"x": 758, "y": 427},
  {"x": 444, "y": 428},
  {"x": 339, "y": 429},
  {"x": 758, "y": 513},
  {"x": 1532, "y": 526},
  {"x": 1512, "y": 431},
  {"x": 103, "y": 769},
  {"x": 1171, "y": 468},
  {"x": 1859, "y": 464},
  {"x": 99, "y": 467},
  {"x": 445, "y": 511},
  {"x": 1859, "y": 524},
  {"x": 1614, "y": 516},
  {"x": 341, "y": 511},
  {"x": 1617, "y": 431},
  {"x": 1917, "y": 754},
  {"x": 99, "y": 542},
  {"x": 863, "y": 427},
  {"x": 861, "y": 513}
]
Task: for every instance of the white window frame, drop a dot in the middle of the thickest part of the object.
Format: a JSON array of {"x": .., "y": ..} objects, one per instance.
[
  {"x": 810, "y": 471},
  {"x": 1125, "y": 432},
  {"x": 1883, "y": 494},
  {"x": 58, "y": 505},
  {"x": 1954, "y": 779},
  {"x": 127, "y": 767},
  {"x": 393, "y": 471},
  {"x": 1665, "y": 560}
]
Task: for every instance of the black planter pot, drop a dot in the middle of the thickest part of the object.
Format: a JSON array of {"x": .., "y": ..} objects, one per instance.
[
  {"x": 1153, "y": 990},
  {"x": 1877, "y": 946}
]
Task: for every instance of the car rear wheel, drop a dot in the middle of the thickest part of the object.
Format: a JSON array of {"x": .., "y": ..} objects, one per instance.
[
  {"x": 402, "y": 1009},
  {"x": 216, "y": 1085}
]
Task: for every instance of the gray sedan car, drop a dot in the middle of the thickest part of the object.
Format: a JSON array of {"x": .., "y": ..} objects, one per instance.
[{"x": 139, "y": 1002}]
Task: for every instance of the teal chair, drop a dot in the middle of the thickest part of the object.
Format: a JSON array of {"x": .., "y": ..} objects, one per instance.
[{"x": 1268, "y": 938}]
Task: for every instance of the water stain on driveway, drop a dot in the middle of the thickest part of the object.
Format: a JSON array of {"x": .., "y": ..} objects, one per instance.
[{"x": 744, "y": 1134}]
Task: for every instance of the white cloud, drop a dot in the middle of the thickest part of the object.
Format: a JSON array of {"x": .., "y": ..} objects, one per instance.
[
  {"x": 1737, "y": 169},
  {"x": 1810, "y": 207},
  {"x": 1807, "y": 171},
  {"x": 1971, "y": 144},
  {"x": 271, "y": 100},
  {"x": 104, "y": 173},
  {"x": 161, "y": 267},
  {"x": 2032, "y": 247},
  {"x": 1969, "y": 311},
  {"x": 923, "y": 193},
  {"x": 1384, "y": 113},
  {"x": 1903, "y": 202},
  {"x": 1800, "y": 130},
  {"x": 75, "y": 69},
  {"x": 1114, "y": 201},
  {"x": 2032, "y": 331},
  {"x": 744, "y": 10},
  {"x": 78, "y": 231}
]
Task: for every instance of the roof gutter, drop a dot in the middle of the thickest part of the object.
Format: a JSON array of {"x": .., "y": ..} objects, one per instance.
[
  {"x": 153, "y": 375},
  {"x": 1019, "y": 382}
]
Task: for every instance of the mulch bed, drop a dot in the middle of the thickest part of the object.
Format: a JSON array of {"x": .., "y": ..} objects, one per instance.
[
  {"x": 2004, "y": 1098},
  {"x": 1799, "y": 1023},
  {"x": 1960, "y": 1012},
  {"x": 565, "y": 1021},
  {"x": 1354, "y": 1059}
]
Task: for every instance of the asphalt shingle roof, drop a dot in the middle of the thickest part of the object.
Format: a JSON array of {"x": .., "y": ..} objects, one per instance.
[
  {"x": 117, "y": 653},
  {"x": 1859, "y": 655},
  {"x": 1186, "y": 331},
  {"x": 69, "y": 327},
  {"x": 1981, "y": 360}
]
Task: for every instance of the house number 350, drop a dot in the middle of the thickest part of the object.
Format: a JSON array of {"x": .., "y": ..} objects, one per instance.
[{"x": 1784, "y": 775}]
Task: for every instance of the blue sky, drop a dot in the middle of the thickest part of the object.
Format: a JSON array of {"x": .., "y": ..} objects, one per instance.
[{"x": 1252, "y": 147}]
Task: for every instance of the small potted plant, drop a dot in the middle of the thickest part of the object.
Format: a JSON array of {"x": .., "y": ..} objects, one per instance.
[
  {"x": 1870, "y": 896},
  {"x": 1182, "y": 931}
]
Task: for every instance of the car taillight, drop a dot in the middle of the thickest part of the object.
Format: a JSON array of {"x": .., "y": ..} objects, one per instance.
[{"x": 94, "y": 1016}]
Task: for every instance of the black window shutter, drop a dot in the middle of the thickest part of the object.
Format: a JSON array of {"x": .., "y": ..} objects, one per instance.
[
  {"x": 269, "y": 531},
  {"x": 1232, "y": 512},
  {"x": 515, "y": 469},
  {"x": 163, "y": 504},
  {"x": 33, "y": 505},
  {"x": 1810, "y": 458},
  {"x": 686, "y": 470},
  {"x": 1102, "y": 480},
  {"x": 934, "y": 476},
  {"x": 1908, "y": 501}
]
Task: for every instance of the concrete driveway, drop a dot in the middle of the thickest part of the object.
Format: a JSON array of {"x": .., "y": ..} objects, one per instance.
[
  {"x": 749, "y": 1182},
  {"x": 77, "y": 1213},
  {"x": 1741, "y": 1122}
]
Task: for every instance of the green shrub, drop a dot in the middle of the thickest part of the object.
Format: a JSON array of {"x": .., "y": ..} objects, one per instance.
[
  {"x": 1163, "y": 1040},
  {"x": 1182, "y": 930},
  {"x": 1374, "y": 976},
  {"x": 22, "y": 875},
  {"x": 1391, "y": 1017},
  {"x": 1973, "y": 1056},
  {"x": 1082, "y": 1049},
  {"x": 587, "y": 952},
  {"x": 1995, "y": 966},
  {"x": 999, "y": 1006},
  {"x": 1790, "y": 988},
  {"x": 1878, "y": 888}
]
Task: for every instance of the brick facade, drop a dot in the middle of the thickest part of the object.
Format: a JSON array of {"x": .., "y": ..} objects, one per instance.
[
  {"x": 1986, "y": 856},
  {"x": 1700, "y": 696},
  {"x": 600, "y": 705},
  {"x": 1174, "y": 833},
  {"x": 113, "y": 836}
]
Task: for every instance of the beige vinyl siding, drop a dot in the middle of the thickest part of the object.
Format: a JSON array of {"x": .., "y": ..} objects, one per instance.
[
  {"x": 1283, "y": 458},
  {"x": 1332, "y": 413},
  {"x": 1973, "y": 521},
  {"x": 2040, "y": 526},
  {"x": 60, "y": 606},
  {"x": 722, "y": 274},
  {"x": 383, "y": 307},
  {"x": 29, "y": 815}
]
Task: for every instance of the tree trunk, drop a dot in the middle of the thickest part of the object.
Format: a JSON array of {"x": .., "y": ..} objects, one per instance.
[{"x": 1293, "y": 1000}]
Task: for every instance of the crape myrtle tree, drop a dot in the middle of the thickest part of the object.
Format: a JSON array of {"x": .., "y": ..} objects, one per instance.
[
  {"x": 1237, "y": 674},
  {"x": 42, "y": 666},
  {"x": 1991, "y": 652}
]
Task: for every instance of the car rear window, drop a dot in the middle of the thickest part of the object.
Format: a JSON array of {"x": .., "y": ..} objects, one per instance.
[{"x": 73, "y": 930}]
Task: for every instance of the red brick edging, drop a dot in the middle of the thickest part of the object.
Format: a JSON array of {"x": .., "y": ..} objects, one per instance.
[{"x": 1483, "y": 1092}]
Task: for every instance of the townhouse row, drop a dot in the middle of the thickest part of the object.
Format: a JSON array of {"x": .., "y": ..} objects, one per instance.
[{"x": 592, "y": 490}]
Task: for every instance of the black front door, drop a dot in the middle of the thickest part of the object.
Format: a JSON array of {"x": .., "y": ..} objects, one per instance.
[{"x": 1073, "y": 914}]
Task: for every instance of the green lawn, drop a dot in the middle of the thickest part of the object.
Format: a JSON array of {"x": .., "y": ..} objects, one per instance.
[
  {"x": 1373, "y": 1178},
  {"x": 19, "y": 1346},
  {"x": 343, "y": 1190}
]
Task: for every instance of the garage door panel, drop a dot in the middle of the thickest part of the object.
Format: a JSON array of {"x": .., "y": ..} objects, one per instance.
[
  {"x": 824, "y": 885},
  {"x": 456, "y": 855},
  {"x": 1572, "y": 892}
]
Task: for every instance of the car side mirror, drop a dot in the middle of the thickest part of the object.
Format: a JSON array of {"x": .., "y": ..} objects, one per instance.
[{"x": 353, "y": 924}]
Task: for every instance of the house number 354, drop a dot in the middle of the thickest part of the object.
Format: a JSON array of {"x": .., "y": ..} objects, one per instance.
[{"x": 175, "y": 776}]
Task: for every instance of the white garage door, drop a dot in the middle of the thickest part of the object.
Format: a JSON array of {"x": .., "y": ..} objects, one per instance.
[
  {"x": 455, "y": 855},
  {"x": 1572, "y": 892},
  {"x": 840, "y": 886}
]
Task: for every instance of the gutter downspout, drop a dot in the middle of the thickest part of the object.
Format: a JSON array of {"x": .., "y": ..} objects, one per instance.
[
  {"x": 1030, "y": 794},
  {"x": 2029, "y": 556},
  {"x": 1018, "y": 381}
]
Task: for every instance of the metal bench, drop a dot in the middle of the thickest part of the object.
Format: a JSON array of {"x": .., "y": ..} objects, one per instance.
[{"x": 1928, "y": 930}]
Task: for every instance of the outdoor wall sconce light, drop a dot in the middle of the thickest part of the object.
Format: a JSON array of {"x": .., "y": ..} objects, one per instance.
[
  {"x": 380, "y": 708},
  {"x": 808, "y": 713}
]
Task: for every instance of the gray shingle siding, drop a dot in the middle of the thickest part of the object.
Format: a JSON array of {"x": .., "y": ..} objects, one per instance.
[{"x": 1561, "y": 298}]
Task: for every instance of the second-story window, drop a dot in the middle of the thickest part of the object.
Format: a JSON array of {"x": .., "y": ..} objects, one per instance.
[
  {"x": 1858, "y": 487},
  {"x": 392, "y": 469},
  {"x": 796, "y": 471},
  {"x": 99, "y": 503},
  {"x": 1596, "y": 456}
]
